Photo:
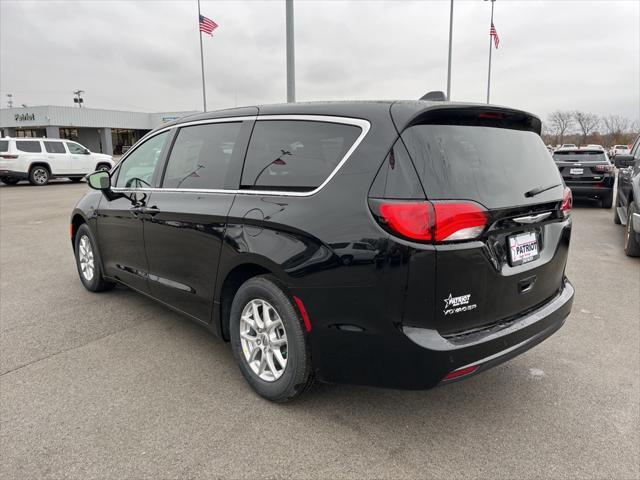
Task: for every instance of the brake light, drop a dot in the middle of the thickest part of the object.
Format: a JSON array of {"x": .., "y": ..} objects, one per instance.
[
  {"x": 567, "y": 202},
  {"x": 492, "y": 115},
  {"x": 437, "y": 221},
  {"x": 9, "y": 157},
  {"x": 604, "y": 168}
]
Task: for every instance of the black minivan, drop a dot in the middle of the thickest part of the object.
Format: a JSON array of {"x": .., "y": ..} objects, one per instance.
[{"x": 400, "y": 244}]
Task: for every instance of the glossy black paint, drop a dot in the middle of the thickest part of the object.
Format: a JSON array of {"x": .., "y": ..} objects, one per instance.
[{"x": 189, "y": 249}]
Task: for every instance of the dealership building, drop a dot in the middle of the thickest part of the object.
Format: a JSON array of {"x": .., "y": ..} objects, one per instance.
[{"x": 105, "y": 131}]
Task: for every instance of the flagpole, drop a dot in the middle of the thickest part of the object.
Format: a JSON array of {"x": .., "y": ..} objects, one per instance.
[
  {"x": 204, "y": 94},
  {"x": 450, "y": 44},
  {"x": 291, "y": 55},
  {"x": 490, "y": 49}
]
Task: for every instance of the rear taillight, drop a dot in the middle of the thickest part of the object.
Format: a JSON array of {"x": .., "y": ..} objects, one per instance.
[
  {"x": 567, "y": 202},
  {"x": 434, "y": 221},
  {"x": 604, "y": 168},
  {"x": 9, "y": 157}
]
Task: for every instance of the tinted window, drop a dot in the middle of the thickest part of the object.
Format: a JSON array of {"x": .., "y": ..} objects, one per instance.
[
  {"x": 136, "y": 171},
  {"x": 493, "y": 166},
  {"x": 27, "y": 146},
  {"x": 201, "y": 155},
  {"x": 76, "y": 149},
  {"x": 4, "y": 146},
  {"x": 295, "y": 155},
  {"x": 397, "y": 178},
  {"x": 580, "y": 156},
  {"x": 54, "y": 147}
]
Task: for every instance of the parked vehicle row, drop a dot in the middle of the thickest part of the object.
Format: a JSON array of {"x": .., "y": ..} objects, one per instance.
[
  {"x": 627, "y": 207},
  {"x": 397, "y": 244},
  {"x": 38, "y": 160}
]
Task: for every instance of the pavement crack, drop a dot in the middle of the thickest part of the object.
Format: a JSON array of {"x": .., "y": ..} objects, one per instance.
[{"x": 24, "y": 365}]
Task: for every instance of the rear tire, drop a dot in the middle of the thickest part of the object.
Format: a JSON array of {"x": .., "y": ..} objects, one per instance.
[
  {"x": 631, "y": 244},
  {"x": 39, "y": 175},
  {"x": 274, "y": 381},
  {"x": 88, "y": 261},
  {"x": 9, "y": 181}
]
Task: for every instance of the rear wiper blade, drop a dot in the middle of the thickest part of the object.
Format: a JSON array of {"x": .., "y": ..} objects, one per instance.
[{"x": 535, "y": 191}]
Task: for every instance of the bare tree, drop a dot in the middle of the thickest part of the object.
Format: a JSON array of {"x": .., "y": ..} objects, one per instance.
[
  {"x": 560, "y": 122},
  {"x": 615, "y": 127},
  {"x": 587, "y": 122}
]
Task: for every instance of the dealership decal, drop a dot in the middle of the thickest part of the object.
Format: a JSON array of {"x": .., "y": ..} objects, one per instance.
[{"x": 458, "y": 304}]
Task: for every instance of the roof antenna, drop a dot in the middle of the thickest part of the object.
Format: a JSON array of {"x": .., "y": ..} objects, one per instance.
[{"x": 435, "y": 96}]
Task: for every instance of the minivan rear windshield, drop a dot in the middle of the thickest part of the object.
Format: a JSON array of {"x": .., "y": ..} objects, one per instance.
[
  {"x": 580, "y": 156},
  {"x": 492, "y": 166}
]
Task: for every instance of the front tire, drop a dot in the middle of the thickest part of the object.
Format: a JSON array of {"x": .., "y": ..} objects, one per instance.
[
  {"x": 9, "y": 181},
  {"x": 88, "y": 261},
  {"x": 268, "y": 340},
  {"x": 39, "y": 176},
  {"x": 631, "y": 244}
]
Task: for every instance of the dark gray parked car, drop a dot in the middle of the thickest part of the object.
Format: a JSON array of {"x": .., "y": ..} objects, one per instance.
[{"x": 627, "y": 211}]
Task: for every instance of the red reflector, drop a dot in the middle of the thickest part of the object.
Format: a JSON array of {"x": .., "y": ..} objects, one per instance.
[
  {"x": 413, "y": 220},
  {"x": 303, "y": 312},
  {"x": 459, "y": 221},
  {"x": 567, "y": 202},
  {"x": 461, "y": 372}
]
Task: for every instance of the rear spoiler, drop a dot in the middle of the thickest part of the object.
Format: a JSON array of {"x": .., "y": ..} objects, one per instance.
[{"x": 405, "y": 114}]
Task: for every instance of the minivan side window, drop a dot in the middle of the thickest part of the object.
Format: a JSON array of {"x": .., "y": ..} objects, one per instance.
[
  {"x": 136, "y": 171},
  {"x": 4, "y": 145},
  {"x": 295, "y": 155},
  {"x": 76, "y": 149},
  {"x": 54, "y": 147},
  {"x": 200, "y": 156},
  {"x": 28, "y": 146}
]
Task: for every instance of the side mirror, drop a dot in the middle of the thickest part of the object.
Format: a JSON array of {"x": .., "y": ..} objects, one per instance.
[
  {"x": 623, "y": 161},
  {"x": 100, "y": 180}
]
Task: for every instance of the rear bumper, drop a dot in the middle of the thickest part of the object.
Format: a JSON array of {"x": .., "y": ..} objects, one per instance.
[
  {"x": 590, "y": 190},
  {"x": 13, "y": 175},
  {"x": 418, "y": 358}
]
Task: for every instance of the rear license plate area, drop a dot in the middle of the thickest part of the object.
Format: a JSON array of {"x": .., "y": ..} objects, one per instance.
[
  {"x": 576, "y": 171},
  {"x": 523, "y": 248}
]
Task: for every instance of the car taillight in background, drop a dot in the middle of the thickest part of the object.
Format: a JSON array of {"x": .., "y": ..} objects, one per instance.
[
  {"x": 432, "y": 221},
  {"x": 605, "y": 168},
  {"x": 567, "y": 202}
]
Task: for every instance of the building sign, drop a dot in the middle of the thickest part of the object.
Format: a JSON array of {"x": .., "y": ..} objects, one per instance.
[
  {"x": 24, "y": 117},
  {"x": 169, "y": 119}
]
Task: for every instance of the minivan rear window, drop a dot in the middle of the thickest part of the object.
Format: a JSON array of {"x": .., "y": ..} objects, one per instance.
[
  {"x": 295, "y": 155},
  {"x": 492, "y": 166},
  {"x": 4, "y": 145},
  {"x": 28, "y": 146}
]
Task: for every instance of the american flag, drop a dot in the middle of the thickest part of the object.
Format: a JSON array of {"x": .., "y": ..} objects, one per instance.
[
  {"x": 207, "y": 25},
  {"x": 494, "y": 33}
]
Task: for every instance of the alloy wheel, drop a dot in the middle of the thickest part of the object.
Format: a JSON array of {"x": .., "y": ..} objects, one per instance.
[
  {"x": 264, "y": 340},
  {"x": 40, "y": 176},
  {"x": 85, "y": 256}
]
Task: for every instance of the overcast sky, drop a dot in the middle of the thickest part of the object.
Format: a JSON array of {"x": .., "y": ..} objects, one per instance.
[{"x": 144, "y": 54}]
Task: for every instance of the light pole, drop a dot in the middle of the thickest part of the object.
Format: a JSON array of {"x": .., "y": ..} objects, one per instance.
[
  {"x": 78, "y": 99},
  {"x": 450, "y": 47},
  {"x": 291, "y": 54},
  {"x": 490, "y": 48}
]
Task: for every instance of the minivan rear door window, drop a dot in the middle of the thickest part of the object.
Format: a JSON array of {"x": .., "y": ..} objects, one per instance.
[
  {"x": 28, "y": 146},
  {"x": 201, "y": 155},
  {"x": 492, "y": 166},
  {"x": 54, "y": 147},
  {"x": 295, "y": 155}
]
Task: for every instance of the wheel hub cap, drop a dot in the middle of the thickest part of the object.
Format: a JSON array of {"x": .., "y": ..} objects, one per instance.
[
  {"x": 85, "y": 255},
  {"x": 264, "y": 340}
]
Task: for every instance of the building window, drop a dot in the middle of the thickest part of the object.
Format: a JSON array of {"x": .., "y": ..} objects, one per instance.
[{"x": 69, "y": 133}]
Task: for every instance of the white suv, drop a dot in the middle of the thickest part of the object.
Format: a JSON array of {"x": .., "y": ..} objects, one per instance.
[{"x": 41, "y": 159}]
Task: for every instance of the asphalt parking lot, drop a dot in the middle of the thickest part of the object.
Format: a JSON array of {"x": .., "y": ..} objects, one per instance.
[{"x": 114, "y": 385}]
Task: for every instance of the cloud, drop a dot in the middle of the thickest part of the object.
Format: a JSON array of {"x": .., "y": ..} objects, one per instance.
[{"x": 144, "y": 55}]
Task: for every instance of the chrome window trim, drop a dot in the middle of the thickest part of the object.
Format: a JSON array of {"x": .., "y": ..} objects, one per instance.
[{"x": 364, "y": 125}]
